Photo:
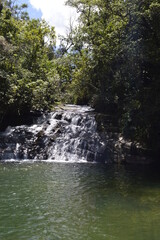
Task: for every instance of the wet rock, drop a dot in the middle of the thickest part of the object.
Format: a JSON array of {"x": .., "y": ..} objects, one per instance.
[
  {"x": 58, "y": 116},
  {"x": 69, "y": 134}
]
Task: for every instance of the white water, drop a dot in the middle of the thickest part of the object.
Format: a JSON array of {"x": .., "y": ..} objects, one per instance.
[{"x": 68, "y": 134}]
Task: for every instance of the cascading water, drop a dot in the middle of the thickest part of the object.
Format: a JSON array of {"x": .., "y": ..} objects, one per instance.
[{"x": 68, "y": 134}]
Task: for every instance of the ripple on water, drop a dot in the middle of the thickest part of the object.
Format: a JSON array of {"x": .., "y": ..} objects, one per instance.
[{"x": 78, "y": 202}]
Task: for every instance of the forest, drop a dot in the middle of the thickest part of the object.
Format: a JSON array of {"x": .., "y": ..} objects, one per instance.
[{"x": 109, "y": 60}]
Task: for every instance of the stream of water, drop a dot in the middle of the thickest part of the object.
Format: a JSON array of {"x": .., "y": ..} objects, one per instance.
[
  {"x": 67, "y": 134},
  {"x": 78, "y": 201},
  {"x": 50, "y": 190}
]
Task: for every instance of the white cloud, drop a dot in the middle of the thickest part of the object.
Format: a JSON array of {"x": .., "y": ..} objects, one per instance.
[{"x": 55, "y": 13}]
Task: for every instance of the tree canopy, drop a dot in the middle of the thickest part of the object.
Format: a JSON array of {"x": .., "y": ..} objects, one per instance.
[
  {"x": 28, "y": 74},
  {"x": 116, "y": 52},
  {"x": 110, "y": 60}
]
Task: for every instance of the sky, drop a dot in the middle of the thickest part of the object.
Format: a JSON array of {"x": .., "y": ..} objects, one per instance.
[{"x": 53, "y": 11}]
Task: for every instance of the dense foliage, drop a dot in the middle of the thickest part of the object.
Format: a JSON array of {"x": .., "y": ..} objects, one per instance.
[
  {"x": 116, "y": 52},
  {"x": 28, "y": 76},
  {"x": 110, "y": 59}
]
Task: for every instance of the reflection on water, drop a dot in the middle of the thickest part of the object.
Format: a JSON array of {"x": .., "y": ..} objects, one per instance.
[{"x": 79, "y": 202}]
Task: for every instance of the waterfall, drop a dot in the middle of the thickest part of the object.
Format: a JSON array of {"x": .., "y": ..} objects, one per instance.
[{"x": 67, "y": 134}]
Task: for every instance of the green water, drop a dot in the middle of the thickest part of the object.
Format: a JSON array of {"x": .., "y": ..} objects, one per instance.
[{"x": 42, "y": 201}]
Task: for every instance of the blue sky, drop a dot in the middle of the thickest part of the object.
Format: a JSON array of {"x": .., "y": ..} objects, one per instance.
[
  {"x": 33, "y": 13},
  {"x": 53, "y": 11}
]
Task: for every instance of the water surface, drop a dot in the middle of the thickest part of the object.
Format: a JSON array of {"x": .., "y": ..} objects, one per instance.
[{"x": 76, "y": 201}]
